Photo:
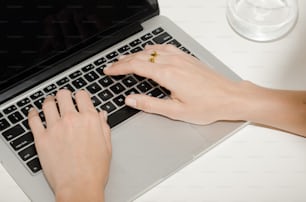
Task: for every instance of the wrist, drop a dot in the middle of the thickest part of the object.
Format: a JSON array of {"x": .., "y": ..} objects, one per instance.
[
  {"x": 80, "y": 194},
  {"x": 245, "y": 99},
  {"x": 280, "y": 109}
]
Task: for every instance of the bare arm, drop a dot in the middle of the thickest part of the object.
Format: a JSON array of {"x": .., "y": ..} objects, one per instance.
[
  {"x": 282, "y": 109},
  {"x": 200, "y": 95}
]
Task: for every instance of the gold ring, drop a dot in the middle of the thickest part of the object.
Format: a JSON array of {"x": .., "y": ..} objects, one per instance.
[{"x": 153, "y": 56}]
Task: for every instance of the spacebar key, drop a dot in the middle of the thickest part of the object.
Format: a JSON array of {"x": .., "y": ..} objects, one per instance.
[{"x": 121, "y": 115}]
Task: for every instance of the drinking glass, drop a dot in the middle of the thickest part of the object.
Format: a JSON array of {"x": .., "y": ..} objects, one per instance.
[{"x": 262, "y": 20}]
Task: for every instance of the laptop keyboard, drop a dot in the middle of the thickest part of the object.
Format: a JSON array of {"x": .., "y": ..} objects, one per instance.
[{"x": 107, "y": 93}]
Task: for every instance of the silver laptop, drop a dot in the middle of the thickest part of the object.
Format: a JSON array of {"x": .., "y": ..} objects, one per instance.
[{"x": 49, "y": 45}]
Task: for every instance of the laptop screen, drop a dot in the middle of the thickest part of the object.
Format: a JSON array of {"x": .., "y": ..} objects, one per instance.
[{"x": 34, "y": 32}]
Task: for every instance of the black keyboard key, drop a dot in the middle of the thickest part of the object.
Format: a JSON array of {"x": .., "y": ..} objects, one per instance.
[
  {"x": 28, "y": 153},
  {"x": 4, "y": 124},
  {"x": 117, "y": 88},
  {"x": 91, "y": 76},
  {"x": 144, "y": 87},
  {"x": 157, "y": 31},
  {"x": 36, "y": 95},
  {"x": 42, "y": 116},
  {"x": 99, "y": 70},
  {"x": 75, "y": 74},
  {"x": 25, "y": 123},
  {"x": 135, "y": 42},
  {"x": 1, "y": 115},
  {"x": 118, "y": 78},
  {"x": 22, "y": 141},
  {"x": 88, "y": 68},
  {"x": 166, "y": 90},
  {"x": 50, "y": 88},
  {"x": 147, "y": 43},
  {"x": 156, "y": 93},
  {"x": 15, "y": 117},
  {"x": 124, "y": 49},
  {"x": 112, "y": 55},
  {"x": 62, "y": 81},
  {"x": 112, "y": 61},
  {"x": 106, "y": 81},
  {"x": 93, "y": 88},
  {"x": 146, "y": 37},
  {"x": 121, "y": 115},
  {"x": 68, "y": 87},
  {"x": 105, "y": 95},
  {"x": 34, "y": 165},
  {"x": 139, "y": 78},
  {"x": 129, "y": 81},
  {"x": 194, "y": 56},
  {"x": 23, "y": 102},
  {"x": 153, "y": 83},
  {"x": 135, "y": 50},
  {"x": 38, "y": 103},
  {"x": 131, "y": 91},
  {"x": 13, "y": 132},
  {"x": 100, "y": 61},
  {"x": 108, "y": 107},
  {"x": 10, "y": 109},
  {"x": 119, "y": 100},
  {"x": 185, "y": 50},
  {"x": 26, "y": 109},
  {"x": 164, "y": 37},
  {"x": 79, "y": 83},
  {"x": 95, "y": 101},
  {"x": 175, "y": 43},
  {"x": 52, "y": 93}
]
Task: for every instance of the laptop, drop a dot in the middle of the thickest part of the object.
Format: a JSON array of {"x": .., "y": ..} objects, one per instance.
[{"x": 49, "y": 45}]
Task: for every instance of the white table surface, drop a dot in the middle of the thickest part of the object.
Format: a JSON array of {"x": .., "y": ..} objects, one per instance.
[{"x": 256, "y": 164}]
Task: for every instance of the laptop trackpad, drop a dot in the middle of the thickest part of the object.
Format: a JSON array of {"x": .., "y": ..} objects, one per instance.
[{"x": 146, "y": 149}]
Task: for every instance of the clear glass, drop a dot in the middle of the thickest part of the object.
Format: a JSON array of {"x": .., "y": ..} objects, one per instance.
[{"x": 262, "y": 20}]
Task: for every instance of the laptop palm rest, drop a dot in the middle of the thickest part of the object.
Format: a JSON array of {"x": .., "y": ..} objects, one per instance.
[{"x": 146, "y": 153}]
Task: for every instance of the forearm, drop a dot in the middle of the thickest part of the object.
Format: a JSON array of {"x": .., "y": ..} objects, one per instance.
[{"x": 285, "y": 110}]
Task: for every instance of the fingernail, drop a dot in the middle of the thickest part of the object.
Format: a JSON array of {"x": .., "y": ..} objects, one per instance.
[
  {"x": 130, "y": 102},
  {"x": 121, "y": 57},
  {"x": 107, "y": 66},
  {"x": 105, "y": 114},
  {"x": 31, "y": 109}
]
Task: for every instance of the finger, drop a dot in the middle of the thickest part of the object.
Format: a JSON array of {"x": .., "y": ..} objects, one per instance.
[
  {"x": 83, "y": 101},
  {"x": 50, "y": 111},
  {"x": 164, "y": 47},
  {"x": 135, "y": 66},
  {"x": 106, "y": 130},
  {"x": 159, "y": 57},
  {"x": 165, "y": 107},
  {"x": 65, "y": 102},
  {"x": 35, "y": 123},
  {"x": 147, "y": 53},
  {"x": 173, "y": 53}
]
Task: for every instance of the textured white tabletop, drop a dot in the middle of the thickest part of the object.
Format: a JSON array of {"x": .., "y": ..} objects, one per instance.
[{"x": 256, "y": 164}]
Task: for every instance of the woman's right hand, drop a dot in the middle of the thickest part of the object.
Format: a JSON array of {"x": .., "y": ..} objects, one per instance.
[{"x": 198, "y": 94}]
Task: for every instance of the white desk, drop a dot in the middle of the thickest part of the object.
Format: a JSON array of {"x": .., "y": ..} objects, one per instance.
[{"x": 256, "y": 164}]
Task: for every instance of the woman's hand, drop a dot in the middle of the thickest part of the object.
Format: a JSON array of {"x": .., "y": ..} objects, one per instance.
[
  {"x": 198, "y": 94},
  {"x": 75, "y": 147}
]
